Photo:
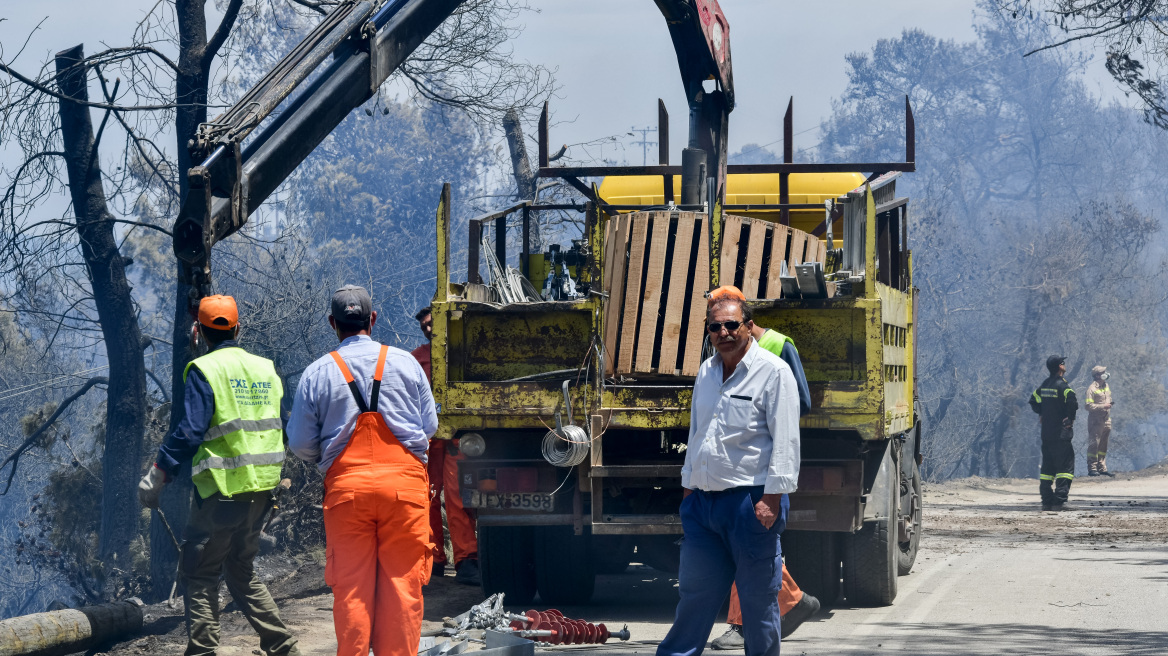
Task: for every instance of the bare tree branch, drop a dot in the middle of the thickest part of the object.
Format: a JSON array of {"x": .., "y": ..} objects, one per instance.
[
  {"x": 14, "y": 457},
  {"x": 217, "y": 39}
]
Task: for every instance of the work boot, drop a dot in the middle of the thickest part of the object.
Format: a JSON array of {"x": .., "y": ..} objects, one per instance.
[
  {"x": 1092, "y": 472},
  {"x": 467, "y": 572},
  {"x": 806, "y": 607},
  {"x": 1107, "y": 473},
  {"x": 731, "y": 640},
  {"x": 438, "y": 571},
  {"x": 1047, "y": 507}
]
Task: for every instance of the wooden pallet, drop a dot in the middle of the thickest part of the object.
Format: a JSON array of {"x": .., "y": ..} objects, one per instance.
[
  {"x": 656, "y": 272},
  {"x": 753, "y": 249},
  {"x": 656, "y": 275}
]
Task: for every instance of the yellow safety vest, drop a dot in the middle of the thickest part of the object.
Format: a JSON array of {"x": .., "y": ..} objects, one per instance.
[{"x": 243, "y": 449}]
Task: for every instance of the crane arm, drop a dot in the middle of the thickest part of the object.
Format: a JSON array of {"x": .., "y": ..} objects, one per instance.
[
  {"x": 701, "y": 38},
  {"x": 366, "y": 41}
]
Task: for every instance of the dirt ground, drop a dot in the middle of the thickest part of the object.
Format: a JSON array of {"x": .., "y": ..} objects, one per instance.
[
  {"x": 995, "y": 575},
  {"x": 297, "y": 584}
]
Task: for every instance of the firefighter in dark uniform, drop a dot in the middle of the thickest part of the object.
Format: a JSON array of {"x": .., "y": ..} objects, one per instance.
[{"x": 1056, "y": 404}]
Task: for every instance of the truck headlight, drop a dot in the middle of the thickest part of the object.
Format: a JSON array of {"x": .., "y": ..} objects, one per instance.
[{"x": 472, "y": 445}]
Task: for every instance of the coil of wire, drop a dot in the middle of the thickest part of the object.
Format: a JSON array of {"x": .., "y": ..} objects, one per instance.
[{"x": 566, "y": 447}]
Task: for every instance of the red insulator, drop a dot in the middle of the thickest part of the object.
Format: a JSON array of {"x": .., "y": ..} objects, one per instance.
[
  {"x": 561, "y": 636},
  {"x": 566, "y": 631}
]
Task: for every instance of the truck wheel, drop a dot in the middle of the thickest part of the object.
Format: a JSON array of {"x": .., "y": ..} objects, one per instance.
[
  {"x": 564, "y": 573},
  {"x": 507, "y": 563},
  {"x": 911, "y": 505},
  {"x": 870, "y": 557},
  {"x": 611, "y": 554},
  {"x": 813, "y": 560}
]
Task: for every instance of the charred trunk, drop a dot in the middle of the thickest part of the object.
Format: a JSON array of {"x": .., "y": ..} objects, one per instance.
[
  {"x": 525, "y": 178},
  {"x": 191, "y": 98},
  {"x": 106, "y": 269}
]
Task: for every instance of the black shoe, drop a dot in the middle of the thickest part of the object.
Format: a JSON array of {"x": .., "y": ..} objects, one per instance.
[
  {"x": 438, "y": 571},
  {"x": 806, "y": 607},
  {"x": 467, "y": 572},
  {"x": 1092, "y": 473},
  {"x": 1047, "y": 507},
  {"x": 731, "y": 640},
  {"x": 1106, "y": 473}
]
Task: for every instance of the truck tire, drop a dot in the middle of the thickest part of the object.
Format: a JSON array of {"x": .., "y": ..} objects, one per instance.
[
  {"x": 870, "y": 556},
  {"x": 911, "y": 504},
  {"x": 564, "y": 572},
  {"x": 813, "y": 560},
  {"x": 507, "y": 563},
  {"x": 611, "y": 554}
]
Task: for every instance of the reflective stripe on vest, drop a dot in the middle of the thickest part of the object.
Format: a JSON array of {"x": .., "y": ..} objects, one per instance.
[
  {"x": 217, "y": 462},
  {"x": 233, "y": 425},
  {"x": 243, "y": 449}
]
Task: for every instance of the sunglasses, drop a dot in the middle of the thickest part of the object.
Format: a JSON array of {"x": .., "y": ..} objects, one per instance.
[{"x": 716, "y": 327}]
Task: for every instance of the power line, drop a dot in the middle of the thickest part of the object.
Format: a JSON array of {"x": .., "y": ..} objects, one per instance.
[{"x": 644, "y": 143}]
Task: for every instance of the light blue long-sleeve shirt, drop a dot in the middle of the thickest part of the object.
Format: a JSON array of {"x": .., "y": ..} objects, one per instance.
[
  {"x": 324, "y": 412},
  {"x": 744, "y": 431}
]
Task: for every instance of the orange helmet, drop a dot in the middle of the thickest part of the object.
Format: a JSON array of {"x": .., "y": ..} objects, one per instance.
[
  {"x": 726, "y": 292},
  {"x": 218, "y": 312}
]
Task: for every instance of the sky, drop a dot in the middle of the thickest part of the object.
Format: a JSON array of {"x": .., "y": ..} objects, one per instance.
[{"x": 613, "y": 58}]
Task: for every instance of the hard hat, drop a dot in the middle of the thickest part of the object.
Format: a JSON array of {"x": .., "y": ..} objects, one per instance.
[
  {"x": 1098, "y": 370},
  {"x": 725, "y": 293},
  {"x": 218, "y": 312}
]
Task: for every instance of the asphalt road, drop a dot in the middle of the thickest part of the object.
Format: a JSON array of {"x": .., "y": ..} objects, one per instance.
[{"x": 995, "y": 575}]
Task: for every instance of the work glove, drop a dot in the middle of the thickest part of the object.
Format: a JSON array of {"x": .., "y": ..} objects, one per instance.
[{"x": 150, "y": 488}]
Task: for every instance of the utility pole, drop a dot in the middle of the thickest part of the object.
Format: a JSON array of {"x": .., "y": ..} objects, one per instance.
[{"x": 644, "y": 143}]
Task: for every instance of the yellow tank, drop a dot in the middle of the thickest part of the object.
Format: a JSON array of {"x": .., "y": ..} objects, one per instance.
[{"x": 746, "y": 189}]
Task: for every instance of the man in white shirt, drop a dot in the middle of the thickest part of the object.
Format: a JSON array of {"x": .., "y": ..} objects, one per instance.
[{"x": 741, "y": 462}]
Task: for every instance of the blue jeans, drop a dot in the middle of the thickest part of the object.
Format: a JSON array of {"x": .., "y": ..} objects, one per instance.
[{"x": 724, "y": 542}]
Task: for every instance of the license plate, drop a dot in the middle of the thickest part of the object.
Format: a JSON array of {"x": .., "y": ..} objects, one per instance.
[{"x": 530, "y": 501}]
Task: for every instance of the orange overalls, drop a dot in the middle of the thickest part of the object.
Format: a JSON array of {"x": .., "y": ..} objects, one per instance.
[
  {"x": 443, "y": 467},
  {"x": 378, "y": 554},
  {"x": 789, "y": 595}
]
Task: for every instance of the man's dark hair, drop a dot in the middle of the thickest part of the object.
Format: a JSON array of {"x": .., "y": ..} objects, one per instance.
[
  {"x": 350, "y": 327},
  {"x": 747, "y": 311},
  {"x": 215, "y": 336},
  {"x": 422, "y": 313}
]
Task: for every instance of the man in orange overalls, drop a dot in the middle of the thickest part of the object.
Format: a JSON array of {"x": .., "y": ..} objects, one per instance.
[
  {"x": 443, "y": 467},
  {"x": 364, "y": 413}
]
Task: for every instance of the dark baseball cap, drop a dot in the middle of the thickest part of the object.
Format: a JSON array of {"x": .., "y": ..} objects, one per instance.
[
  {"x": 1053, "y": 362},
  {"x": 351, "y": 305}
]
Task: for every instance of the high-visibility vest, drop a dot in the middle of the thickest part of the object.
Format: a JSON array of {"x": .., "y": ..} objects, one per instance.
[
  {"x": 773, "y": 341},
  {"x": 243, "y": 449}
]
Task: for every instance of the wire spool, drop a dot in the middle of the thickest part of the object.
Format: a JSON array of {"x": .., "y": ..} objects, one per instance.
[{"x": 567, "y": 446}]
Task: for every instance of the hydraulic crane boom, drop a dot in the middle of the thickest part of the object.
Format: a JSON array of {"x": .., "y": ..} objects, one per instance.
[
  {"x": 701, "y": 37},
  {"x": 367, "y": 43}
]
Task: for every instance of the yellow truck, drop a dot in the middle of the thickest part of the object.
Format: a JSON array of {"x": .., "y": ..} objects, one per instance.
[{"x": 566, "y": 381}]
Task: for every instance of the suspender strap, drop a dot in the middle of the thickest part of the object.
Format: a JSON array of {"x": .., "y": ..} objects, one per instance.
[
  {"x": 361, "y": 407},
  {"x": 376, "y": 393}
]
